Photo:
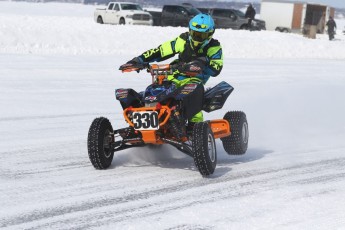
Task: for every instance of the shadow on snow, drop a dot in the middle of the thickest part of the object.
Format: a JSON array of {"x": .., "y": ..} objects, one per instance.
[{"x": 166, "y": 156}]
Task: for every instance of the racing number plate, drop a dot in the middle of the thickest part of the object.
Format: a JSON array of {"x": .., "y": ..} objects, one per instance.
[{"x": 147, "y": 120}]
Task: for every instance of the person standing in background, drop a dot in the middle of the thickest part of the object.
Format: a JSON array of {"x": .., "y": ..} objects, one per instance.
[
  {"x": 250, "y": 14},
  {"x": 331, "y": 28}
]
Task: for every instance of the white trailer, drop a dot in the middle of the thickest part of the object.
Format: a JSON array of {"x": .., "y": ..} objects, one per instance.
[{"x": 287, "y": 16}]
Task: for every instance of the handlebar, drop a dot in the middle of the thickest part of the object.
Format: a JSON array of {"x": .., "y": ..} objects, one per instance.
[
  {"x": 158, "y": 69},
  {"x": 150, "y": 67},
  {"x": 134, "y": 67}
]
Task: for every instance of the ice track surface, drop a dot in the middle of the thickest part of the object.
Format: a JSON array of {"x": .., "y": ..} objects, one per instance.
[{"x": 291, "y": 177}]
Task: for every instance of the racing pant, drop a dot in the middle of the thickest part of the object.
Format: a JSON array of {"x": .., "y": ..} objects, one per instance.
[{"x": 181, "y": 81}]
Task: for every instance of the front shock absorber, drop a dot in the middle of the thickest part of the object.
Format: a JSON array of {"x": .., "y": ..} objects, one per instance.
[{"x": 177, "y": 125}]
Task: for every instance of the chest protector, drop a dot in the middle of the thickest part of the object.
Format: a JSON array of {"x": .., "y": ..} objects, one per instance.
[{"x": 189, "y": 54}]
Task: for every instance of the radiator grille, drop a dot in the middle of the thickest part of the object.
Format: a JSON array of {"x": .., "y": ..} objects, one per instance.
[{"x": 141, "y": 17}]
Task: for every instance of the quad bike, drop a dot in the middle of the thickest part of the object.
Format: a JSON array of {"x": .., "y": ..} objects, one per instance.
[{"x": 159, "y": 115}]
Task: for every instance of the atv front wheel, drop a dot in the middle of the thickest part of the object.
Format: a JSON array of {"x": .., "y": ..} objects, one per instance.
[
  {"x": 237, "y": 142},
  {"x": 204, "y": 148},
  {"x": 99, "y": 143}
]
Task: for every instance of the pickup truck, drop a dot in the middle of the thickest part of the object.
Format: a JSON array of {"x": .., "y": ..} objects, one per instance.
[
  {"x": 174, "y": 15},
  {"x": 123, "y": 13},
  {"x": 233, "y": 19}
]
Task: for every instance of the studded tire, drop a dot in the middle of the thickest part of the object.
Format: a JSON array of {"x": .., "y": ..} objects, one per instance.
[
  {"x": 99, "y": 142},
  {"x": 237, "y": 142},
  {"x": 204, "y": 149}
]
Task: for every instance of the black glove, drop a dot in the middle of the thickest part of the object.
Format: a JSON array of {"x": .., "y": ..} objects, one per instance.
[
  {"x": 135, "y": 62},
  {"x": 196, "y": 66},
  {"x": 189, "y": 67}
]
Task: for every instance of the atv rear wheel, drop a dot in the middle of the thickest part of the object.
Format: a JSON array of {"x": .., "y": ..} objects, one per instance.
[
  {"x": 99, "y": 143},
  {"x": 237, "y": 142},
  {"x": 204, "y": 148}
]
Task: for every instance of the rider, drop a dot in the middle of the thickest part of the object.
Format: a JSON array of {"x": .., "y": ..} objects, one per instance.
[{"x": 196, "y": 50}]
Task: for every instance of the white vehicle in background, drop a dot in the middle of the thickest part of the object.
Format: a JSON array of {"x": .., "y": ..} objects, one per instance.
[{"x": 123, "y": 13}]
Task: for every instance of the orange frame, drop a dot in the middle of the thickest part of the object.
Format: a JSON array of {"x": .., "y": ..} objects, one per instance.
[
  {"x": 149, "y": 136},
  {"x": 162, "y": 109},
  {"x": 219, "y": 127}
]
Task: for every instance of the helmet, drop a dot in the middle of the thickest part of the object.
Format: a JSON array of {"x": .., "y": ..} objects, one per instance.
[{"x": 201, "y": 29}]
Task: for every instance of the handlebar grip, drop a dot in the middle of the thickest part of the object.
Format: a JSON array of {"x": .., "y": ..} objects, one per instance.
[{"x": 129, "y": 67}]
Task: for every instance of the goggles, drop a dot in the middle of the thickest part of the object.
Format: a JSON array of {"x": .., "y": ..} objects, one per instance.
[
  {"x": 199, "y": 26},
  {"x": 199, "y": 36}
]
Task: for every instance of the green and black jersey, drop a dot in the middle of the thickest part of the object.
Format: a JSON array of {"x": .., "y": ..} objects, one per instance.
[{"x": 181, "y": 46}]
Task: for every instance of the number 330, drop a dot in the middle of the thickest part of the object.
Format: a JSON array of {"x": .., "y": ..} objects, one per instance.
[{"x": 145, "y": 120}]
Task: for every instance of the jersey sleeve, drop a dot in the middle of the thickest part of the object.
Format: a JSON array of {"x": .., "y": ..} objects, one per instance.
[
  {"x": 215, "y": 63},
  {"x": 164, "y": 51}
]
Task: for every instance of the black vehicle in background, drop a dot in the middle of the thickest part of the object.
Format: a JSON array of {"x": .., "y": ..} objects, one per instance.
[
  {"x": 174, "y": 15},
  {"x": 233, "y": 19},
  {"x": 204, "y": 10}
]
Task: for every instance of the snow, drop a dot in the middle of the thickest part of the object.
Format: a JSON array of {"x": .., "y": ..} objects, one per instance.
[{"x": 58, "y": 72}]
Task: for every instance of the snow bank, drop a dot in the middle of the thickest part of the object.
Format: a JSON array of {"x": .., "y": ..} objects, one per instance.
[{"x": 69, "y": 29}]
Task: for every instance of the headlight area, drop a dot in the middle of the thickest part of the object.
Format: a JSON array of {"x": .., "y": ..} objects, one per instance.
[{"x": 129, "y": 16}]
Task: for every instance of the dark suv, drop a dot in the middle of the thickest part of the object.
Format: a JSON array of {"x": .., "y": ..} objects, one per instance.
[
  {"x": 174, "y": 15},
  {"x": 234, "y": 19}
]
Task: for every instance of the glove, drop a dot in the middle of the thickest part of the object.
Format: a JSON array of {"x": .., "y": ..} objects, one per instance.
[
  {"x": 132, "y": 63},
  {"x": 196, "y": 66},
  {"x": 135, "y": 61},
  {"x": 189, "y": 68}
]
